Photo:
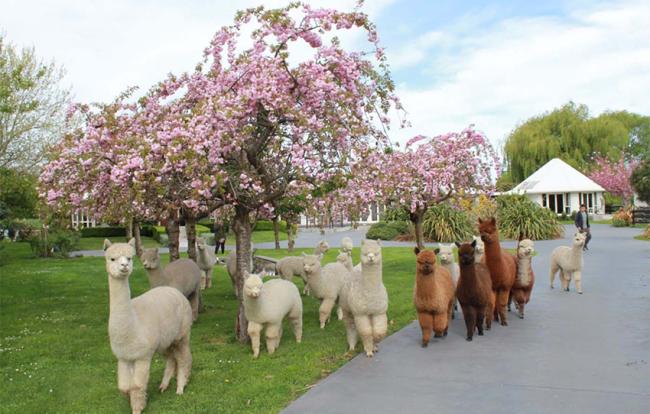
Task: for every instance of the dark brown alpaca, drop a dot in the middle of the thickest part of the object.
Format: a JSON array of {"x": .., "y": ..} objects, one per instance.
[
  {"x": 433, "y": 295},
  {"x": 474, "y": 290},
  {"x": 502, "y": 265}
]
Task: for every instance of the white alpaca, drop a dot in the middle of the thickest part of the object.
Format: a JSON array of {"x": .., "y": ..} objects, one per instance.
[
  {"x": 206, "y": 260},
  {"x": 346, "y": 245},
  {"x": 265, "y": 305},
  {"x": 446, "y": 255},
  {"x": 322, "y": 247},
  {"x": 182, "y": 274},
  {"x": 479, "y": 250},
  {"x": 159, "y": 320},
  {"x": 325, "y": 283},
  {"x": 345, "y": 259},
  {"x": 291, "y": 266},
  {"x": 569, "y": 261},
  {"x": 364, "y": 300}
]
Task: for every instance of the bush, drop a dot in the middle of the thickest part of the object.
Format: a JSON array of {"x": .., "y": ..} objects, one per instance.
[
  {"x": 387, "y": 230},
  {"x": 103, "y": 232},
  {"x": 444, "y": 223},
  {"x": 518, "y": 215},
  {"x": 265, "y": 225},
  {"x": 394, "y": 214},
  {"x": 58, "y": 243},
  {"x": 622, "y": 218}
]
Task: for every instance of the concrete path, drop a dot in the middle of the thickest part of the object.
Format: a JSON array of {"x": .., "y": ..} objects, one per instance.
[{"x": 573, "y": 353}]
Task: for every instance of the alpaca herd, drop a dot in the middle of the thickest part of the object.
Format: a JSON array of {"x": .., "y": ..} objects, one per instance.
[{"x": 484, "y": 282}]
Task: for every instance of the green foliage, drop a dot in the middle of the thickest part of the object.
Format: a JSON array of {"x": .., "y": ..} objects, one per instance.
[
  {"x": 622, "y": 218},
  {"x": 444, "y": 223},
  {"x": 518, "y": 215},
  {"x": 640, "y": 180},
  {"x": 103, "y": 232},
  {"x": 570, "y": 134},
  {"x": 395, "y": 214},
  {"x": 387, "y": 230},
  {"x": 266, "y": 225},
  {"x": 18, "y": 195},
  {"x": 54, "y": 243}
]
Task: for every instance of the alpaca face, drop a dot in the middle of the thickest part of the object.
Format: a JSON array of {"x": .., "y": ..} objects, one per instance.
[
  {"x": 446, "y": 254},
  {"x": 480, "y": 247},
  {"x": 253, "y": 285},
  {"x": 342, "y": 258},
  {"x": 426, "y": 262},
  {"x": 526, "y": 248},
  {"x": 488, "y": 230},
  {"x": 119, "y": 259},
  {"x": 467, "y": 253},
  {"x": 579, "y": 239},
  {"x": 311, "y": 263},
  {"x": 323, "y": 246},
  {"x": 200, "y": 244},
  {"x": 370, "y": 252},
  {"x": 150, "y": 258}
]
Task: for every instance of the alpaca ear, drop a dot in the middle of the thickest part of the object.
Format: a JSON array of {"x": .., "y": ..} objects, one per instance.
[
  {"x": 107, "y": 244},
  {"x": 416, "y": 250},
  {"x": 480, "y": 221},
  {"x": 493, "y": 220},
  {"x": 473, "y": 243},
  {"x": 436, "y": 250},
  {"x": 458, "y": 243}
]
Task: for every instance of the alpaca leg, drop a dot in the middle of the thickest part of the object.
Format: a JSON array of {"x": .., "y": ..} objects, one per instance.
[
  {"x": 489, "y": 310},
  {"x": 565, "y": 279},
  {"x": 577, "y": 276},
  {"x": 254, "y": 331},
  {"x": 295, "y": 316},
  {"x": 502, "y": 301},
  {"x": 495, "y": 309},
  {"x": 138, "y": 393},
  {"x": 183, "y": 356},
  {"x": 170, "y": 370},
  {"x": 194, "y": 303},
  {"x": 554, "y": 269},
  {"x": 325, "y": 311},
  {"x": 339, "y": 313},
  {"x": 350, "y": 330},
  {"x": 204, "y": 282},
  {"x": 440, "y": 324},
  {"x": 469, "y": 313},
  {"x": 364, "y": 327},
  {"x": 426, "y": 324},
  {"x": 273, "y": 333},
  {"x": 480, "y": 315},
  {"x": 124, "y": 376},
  {"x": 379, "y": 328}
]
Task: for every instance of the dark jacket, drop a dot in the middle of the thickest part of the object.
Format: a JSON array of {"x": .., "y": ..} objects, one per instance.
[{"x": 578, "y": 221}]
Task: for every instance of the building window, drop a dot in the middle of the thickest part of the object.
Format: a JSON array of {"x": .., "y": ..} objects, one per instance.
[{"x": 543, "y": 200}]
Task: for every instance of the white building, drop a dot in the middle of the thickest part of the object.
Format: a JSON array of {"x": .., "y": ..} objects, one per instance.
[{"x": 562, "y": 189}]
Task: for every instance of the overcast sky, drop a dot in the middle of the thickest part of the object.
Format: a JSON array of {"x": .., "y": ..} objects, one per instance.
[{"x": 493, "y": 64}]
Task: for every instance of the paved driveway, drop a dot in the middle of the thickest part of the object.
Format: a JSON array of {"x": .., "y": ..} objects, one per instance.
[{"x": 573, "y": 353}]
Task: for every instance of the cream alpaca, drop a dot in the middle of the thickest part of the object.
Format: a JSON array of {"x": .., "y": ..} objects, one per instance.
[
  {"x": 265, "y": 305},
  {"x": 446, "y": 255},
  {"x": 159, "y": 320},
  {"x": 325, "y": 283},
  {"x": 364, "y": 300},
  {"x": 206, "y": 260},
  {"x": 345, "y": 259},
  {"x": 346, "y": 245},
  {"x": 291, "y": 266},
  {"x": 182, "y": 274},
  {"x": 322, "y": 247},
  {"x": 569, "y": 261},
  {"x": 479, "y": 250}
]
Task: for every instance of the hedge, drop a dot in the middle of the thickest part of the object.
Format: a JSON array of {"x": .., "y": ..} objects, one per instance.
[
  {"x": 265, "y": 225},
  {"x": 103, "y": 232},
  {"x": 387, "y": 230}
]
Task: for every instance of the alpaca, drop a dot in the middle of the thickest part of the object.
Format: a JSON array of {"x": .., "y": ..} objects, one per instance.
[
  {"x": 265, "y": 305},
  {"x": 182, "y": 274},
  {"x": 346, "y": 245},
  {"x": 433, "y": 295},
  {"x": 525, "y": 280},
  {"x": 446, "y": 255},
  {"x": 231, "y": 264},
  {"x": 502, "y": 265},
  {"x": 479, "y": 250},
  {"x": 325, "y": 283},
  {"x": 322, "y": 247},
  {"x": 206, "y": 260},
  {"x": 346, "y": 260},
  {"x": 364, "y": 300},
  {"x": 159, "y": 320},
  {"x": 569, "y": 261},
  {"x": 291, "y": 266},
  {"x": 474, "y": 290}
]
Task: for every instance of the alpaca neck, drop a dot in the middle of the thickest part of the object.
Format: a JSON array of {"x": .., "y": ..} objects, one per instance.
[
  {"x": 316, "y": 281},
  {"x": 467, "y": 271},
  {"x": 492, "y": 253},
  {"x": 371, "y": 275},
  {"x": 156, "y": 277},
  {"x": 523, "y": 270},
  {"x": 423, "y": 285},
  {"x": 121, "y": 320},
  {"x": 252, "y": 306},
  {"x": 576, "y": 252}
]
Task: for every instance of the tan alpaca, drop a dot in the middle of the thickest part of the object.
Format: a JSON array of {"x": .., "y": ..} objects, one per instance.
[
  {"x": 569, "y": 261},
  {"x": 345, "y": 259},
  {"x": 182, "y": 274},
  {"x": 346, "y": 245},
  {"x": 325, "y": 283},
  {"x": 206, "y": 260},
  {"x": 291, "y": 266},
  {"x": 265, "y": 305},
  {"x": 364, "y": 300},
  {"x": 446, "y": 254},
  {"x": 157, "y": 321}
]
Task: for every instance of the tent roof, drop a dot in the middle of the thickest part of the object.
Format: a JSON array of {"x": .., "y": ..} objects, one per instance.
[{"x": 556, "y": 176}]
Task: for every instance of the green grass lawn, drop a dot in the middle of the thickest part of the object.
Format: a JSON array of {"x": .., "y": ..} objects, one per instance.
[
  {"x": 97, "y": 243},
  {"x": 55, "y": 354}
]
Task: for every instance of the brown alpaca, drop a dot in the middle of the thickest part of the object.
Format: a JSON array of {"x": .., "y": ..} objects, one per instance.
[
  {"x": 474, "y": 290},
  {"x": 502, "y": 265},
  {"x": 525, "y": 280},
  {"x": 433, "y": 295}
]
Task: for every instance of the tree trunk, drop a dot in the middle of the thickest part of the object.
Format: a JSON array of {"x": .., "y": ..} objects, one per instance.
[
  {"x": 276, "y": 232},
  {"x": 138, "y": 239},
  {"x": 417, "y": 218},
  {"x": 173, "y": 233},
  {"x": 129, "y": 228},
  {"x": 190, "y": 231},
  {"x": 243, "y": 231},
  {"x": 290, "y": 240}
]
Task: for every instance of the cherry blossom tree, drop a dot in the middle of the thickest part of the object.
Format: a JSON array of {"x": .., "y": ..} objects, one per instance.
[{"x": 614, "y": 176}]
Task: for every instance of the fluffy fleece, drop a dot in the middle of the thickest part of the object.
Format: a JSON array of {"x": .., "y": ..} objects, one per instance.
[
  {"x": 266, "y": 305},
  {"x": 523, "y": 286},
  {"x": 446, "y": 254},
  {"x": 345, "y": 259},
  {"x": 364, "y": 300},
  {"x": 433, "y": 295},
  {"x": 346, "y": 245},
  {"x": 569, "y": 261},
  {"x": 502, "y": 265},
  {"x": 322, "y": 247},
  {"x": 206, "y": 260},
  {"x": 474, "y": 290},
  {"x": 325, "y": 283},
  {"x": 159, "y": 320},
  {"x": 182, "y": 274}
]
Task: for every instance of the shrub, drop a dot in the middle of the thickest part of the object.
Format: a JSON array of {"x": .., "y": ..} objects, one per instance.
[
  {"x": 518, "y": 215},
  {"x": 103, "y": 232},
  {"x": 444, "y": 223},
  {"x": 394, "y": 214},
  {"x": 387, "y": 230},
  {"x": 57, "y": 243},
  {"x": 265, "y": 225},
  {"x": 622, "y": 218}
]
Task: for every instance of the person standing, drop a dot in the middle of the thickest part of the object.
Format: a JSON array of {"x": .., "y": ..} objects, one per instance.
[
  {"x": 220, "y": 230},
  {"x": 582, "y": 224}
]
